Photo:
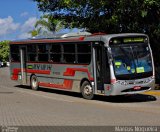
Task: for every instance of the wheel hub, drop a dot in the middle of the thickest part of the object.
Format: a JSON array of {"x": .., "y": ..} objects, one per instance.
[
  {"x": 88, "y": 90},
  {"x": 34, "y": 83}
]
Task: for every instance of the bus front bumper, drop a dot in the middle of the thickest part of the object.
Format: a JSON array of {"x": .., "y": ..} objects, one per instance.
[{"x": 123, "y": 87}]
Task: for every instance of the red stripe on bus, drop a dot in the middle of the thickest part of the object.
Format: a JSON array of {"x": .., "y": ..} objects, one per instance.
[
  {"x": 15, "y": 74},
  {"x": 38, "y": 71},
  {"x": 71, "y": 72},
  {"x": 67, "y": 84},
  {"x": 17, "y": 70}
]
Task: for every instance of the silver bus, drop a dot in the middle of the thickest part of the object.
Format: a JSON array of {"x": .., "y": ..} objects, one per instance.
[{"x": 92, "y": 64}]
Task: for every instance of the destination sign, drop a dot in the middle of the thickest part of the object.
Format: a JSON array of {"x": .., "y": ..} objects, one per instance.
[
  {"x": 135, "y": 40},
  {"x": 126, "y": 40}
]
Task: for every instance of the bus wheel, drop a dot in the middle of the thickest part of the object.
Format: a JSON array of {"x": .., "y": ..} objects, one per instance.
[
  {"x": 34, "y": 83},
  {"x": 87, "y": 90}
]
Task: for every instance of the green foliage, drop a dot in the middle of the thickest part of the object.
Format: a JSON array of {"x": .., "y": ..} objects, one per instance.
[
  {"x": 47, "y": 23},
  {"x": 4, "y": 51},
  {"x": 106, "y": 16},
  {"x": 35, "y": 32}
]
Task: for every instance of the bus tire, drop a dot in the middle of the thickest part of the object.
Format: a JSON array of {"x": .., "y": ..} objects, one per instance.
[
  {"x": 87, "y": 90},
  {"x": 34, "y": 82}
]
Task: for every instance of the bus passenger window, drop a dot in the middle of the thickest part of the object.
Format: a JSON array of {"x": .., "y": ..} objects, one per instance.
[
  {"x": 84, "y": 53},
  {"x": 15, "y": 57},
  {"x": 43, "y": 52},
  {"x": 84, "y": 48},
  {"x": 55, "y": 58},
  {"x": 55, "y": 48},
  {"x": 84, "y": 58},
  {"x": 31, "y": 48},
  {"x": 42, "y": 48},
  {"x": 32, "y": 52},
  {"x": 43, "y": 57},
  {"x": 32, "y": 57},
  {"x": 69, "y": 54},
  {"x": 69, "y": 58},
  {"x": 55, "y": 53}
]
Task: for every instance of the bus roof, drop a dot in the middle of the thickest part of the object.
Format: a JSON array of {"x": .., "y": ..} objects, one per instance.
[{"x": 75, "y": 37}]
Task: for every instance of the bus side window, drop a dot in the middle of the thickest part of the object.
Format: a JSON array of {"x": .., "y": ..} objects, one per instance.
[
  {"x": 15, "y": 53},
  {"x": 55, "y": 58},
  {"x": 84, "y": 53},
  {"x": 55, "y": 53},
  {"x": 69, "y": 53},
  {"x": 32, "y": 52},
  {"x": 43, "y": 53}
]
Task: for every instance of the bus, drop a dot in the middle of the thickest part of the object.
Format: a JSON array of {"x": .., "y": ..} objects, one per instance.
[{"x": 92, "y": 64}]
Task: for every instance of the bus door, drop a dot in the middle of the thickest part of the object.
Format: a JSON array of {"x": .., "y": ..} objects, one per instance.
[
  {"x": 98, "y": 66},
  {"x": 23, "y": 64}
]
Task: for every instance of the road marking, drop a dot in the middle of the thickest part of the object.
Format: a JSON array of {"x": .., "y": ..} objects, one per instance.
[
  {"x": 152, "y": 93},
  {"x": 45, "y": 96}
]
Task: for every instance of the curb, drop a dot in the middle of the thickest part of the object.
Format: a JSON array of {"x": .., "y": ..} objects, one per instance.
[{"x": 153, "y": 92}]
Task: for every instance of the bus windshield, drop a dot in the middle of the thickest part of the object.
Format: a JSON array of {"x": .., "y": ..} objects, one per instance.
[{"x": 131, "y": 61}]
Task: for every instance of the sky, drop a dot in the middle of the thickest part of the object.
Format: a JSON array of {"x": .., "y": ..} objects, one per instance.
[{"x": 17, "y": 18}]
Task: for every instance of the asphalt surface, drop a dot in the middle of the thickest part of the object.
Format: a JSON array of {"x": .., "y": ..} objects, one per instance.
[{"x": 21, "y": 106}]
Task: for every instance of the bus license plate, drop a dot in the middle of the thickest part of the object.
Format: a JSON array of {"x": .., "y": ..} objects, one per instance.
[{"x": 137, "y": 88}]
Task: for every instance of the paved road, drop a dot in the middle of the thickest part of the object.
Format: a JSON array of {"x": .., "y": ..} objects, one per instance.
[{"x": 20, "y": 106}]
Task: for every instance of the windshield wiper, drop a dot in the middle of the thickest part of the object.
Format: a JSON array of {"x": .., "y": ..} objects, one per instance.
[{"x": 135, "y": 54}]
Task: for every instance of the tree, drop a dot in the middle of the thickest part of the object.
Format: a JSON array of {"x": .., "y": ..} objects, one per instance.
[
  {"x": 35, "y": 32},
  {"x": 50, "y": 23},
  {"x": 45, "y": 25},
  {"x": 82, "y": 14},
  {"x": 4, "y": 51},
  {"x": 106, "y": 16}
]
